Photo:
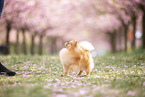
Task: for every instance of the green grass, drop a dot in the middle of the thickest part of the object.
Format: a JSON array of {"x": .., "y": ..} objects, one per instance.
[{"x": 39, "y": 76}]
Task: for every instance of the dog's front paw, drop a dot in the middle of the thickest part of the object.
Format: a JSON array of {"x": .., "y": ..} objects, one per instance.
[
  {"x": 79, "y": 76},
  {"x": 62, "y": 75}
]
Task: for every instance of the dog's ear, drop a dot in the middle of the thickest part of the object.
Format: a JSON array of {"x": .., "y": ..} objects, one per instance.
[{"x": 76, "y": 42}]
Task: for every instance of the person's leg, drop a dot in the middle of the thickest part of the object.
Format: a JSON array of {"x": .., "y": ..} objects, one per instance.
[
  {"x": 1, "y": 7},
  {"x": 4, "y": 70}
]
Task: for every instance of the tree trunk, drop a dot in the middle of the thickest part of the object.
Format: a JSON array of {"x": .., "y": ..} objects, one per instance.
[
  {"x": 120, "y": 39},
  {"x": 113, "y": 42},
  {"x": 17, "y": 43},
  {"x": 112, "y": 38},
  {"x": 53, "y": 45},
  {"x": 32, "y": 44},
  {"x": 40, "y": 45},
  {"x": 143, "y": 30},
  {"x": 133, "y": 44},
  {"x": 125, "y": 38},
  {"x": 8, "y": 28},
  {"x": 24, "y": 42}
]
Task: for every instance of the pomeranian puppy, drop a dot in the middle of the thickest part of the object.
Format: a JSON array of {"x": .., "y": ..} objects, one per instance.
[{"x": 77, "y": 55}]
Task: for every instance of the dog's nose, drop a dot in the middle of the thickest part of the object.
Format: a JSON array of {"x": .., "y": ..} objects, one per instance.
[{"x": 66, "y": 43}]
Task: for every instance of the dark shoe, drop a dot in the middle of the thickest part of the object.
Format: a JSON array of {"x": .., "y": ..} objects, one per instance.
[{"x": 4, "y": 70}]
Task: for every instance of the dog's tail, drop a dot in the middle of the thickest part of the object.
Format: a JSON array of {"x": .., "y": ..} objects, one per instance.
[{"x": 86, "y": 45}]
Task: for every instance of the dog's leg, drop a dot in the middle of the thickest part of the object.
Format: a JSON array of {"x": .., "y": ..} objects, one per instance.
[
  {"x": 81, "y": 71},
  {"x": 88, "y": 71},
  {"x": 66, "y": 68},
  {"x": 71, "y": 68}
]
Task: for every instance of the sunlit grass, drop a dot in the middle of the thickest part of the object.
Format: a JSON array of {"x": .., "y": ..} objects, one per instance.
[{"x": 39, "y": 76}]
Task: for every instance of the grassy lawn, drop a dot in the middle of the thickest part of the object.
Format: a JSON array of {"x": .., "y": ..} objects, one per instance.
[{"x": 39, "y": 76}]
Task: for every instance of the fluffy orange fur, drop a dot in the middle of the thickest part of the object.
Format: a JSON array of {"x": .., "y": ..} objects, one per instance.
[{"x": 75, "y": 55}]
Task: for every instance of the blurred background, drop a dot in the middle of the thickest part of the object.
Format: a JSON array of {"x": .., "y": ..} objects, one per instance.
[{"x": 43, "y": 26}]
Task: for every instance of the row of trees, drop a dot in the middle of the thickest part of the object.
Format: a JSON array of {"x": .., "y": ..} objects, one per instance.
[
  {"x": 119, "y": 17},
  {"x": 31, "y": 17},
  {"x": 54, "y": 19},
  {"x": 42, "y": 18},
  {"x": 127, "y": 13}
]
